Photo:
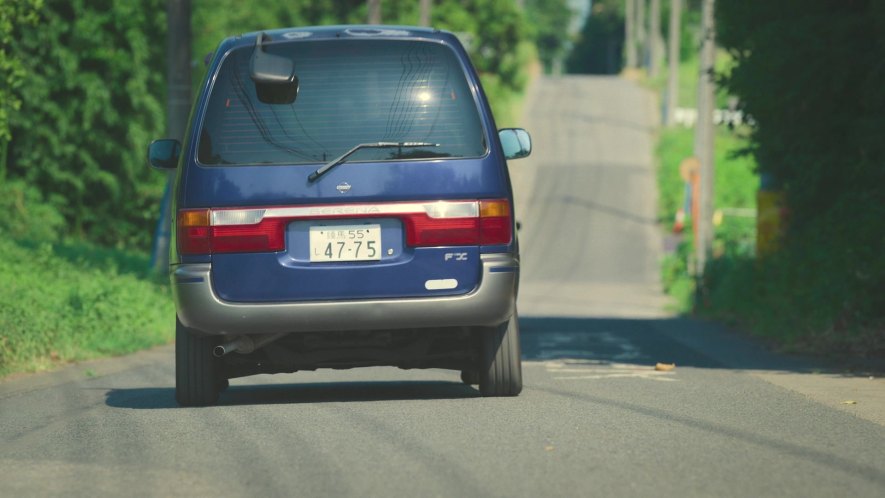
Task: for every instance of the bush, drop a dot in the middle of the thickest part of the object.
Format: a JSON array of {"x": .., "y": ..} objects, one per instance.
[
  {"x": 26, "y": 215},
  {"x": 810, "y": 73},
  {"x": 93, "y": 100}
]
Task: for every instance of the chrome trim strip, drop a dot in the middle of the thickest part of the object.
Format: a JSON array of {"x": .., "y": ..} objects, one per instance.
[{"x": 437, "y": 210}]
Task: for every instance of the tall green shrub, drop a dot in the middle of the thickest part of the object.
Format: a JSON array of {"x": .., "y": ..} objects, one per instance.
[
  {"x": 92, "y": 99},
  {"x": 600, "y": 45},
  {"x": 12, "y": 13},
  {"x": 550, "y": 20},
  {"x": 811, "y": 72}
]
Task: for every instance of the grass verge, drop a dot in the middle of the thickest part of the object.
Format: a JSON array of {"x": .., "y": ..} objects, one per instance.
[{"x": 64, "y": 302}]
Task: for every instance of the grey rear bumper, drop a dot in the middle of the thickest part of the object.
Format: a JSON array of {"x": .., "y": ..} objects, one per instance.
[{"x": 491, "y": 303}]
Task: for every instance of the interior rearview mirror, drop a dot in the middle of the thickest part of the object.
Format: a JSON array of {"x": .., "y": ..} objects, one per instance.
[
  {"x": 516, "y": 142},
  {"x": 163, "y": 153},
  {"x": 273, "y": 75}
]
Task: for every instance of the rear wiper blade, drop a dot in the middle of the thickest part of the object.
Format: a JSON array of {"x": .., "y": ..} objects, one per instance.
[{"x": 373, "y": 145}]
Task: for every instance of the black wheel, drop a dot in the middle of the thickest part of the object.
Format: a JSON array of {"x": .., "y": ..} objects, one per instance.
[
  {"x": 500, "y": 371},
  {"x": 470, "y": 377},
  {"x": 197, "y": 372}
]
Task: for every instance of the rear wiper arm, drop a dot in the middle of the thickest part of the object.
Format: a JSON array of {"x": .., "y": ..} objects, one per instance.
[{"x": 374, "y": 145}]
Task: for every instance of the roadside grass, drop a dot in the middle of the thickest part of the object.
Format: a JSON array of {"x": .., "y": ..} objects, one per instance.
[{"x": 69, "y": 301}]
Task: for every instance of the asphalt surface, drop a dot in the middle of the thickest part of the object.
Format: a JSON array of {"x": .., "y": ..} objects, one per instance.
[{"x": 595, "y": 418}]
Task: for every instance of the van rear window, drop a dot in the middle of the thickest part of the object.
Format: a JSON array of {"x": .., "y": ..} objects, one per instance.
[{"x": 350, "y": 92}]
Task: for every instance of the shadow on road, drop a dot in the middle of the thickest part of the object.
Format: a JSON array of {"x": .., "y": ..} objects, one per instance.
[
  {"x": 685, "y": 342},
  {"x": 609, "y": 340},
  {"x": 153, "y": 398}
]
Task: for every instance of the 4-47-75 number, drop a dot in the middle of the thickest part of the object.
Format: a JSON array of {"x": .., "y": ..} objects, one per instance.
[{"x": 345, "y": 243}]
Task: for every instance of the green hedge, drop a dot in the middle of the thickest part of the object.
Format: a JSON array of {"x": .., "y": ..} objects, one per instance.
[
  {"x": 810, "y": 73},
  {"x": 93, "y": 99}
]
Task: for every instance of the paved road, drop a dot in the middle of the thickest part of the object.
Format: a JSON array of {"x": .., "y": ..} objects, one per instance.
[{"x": 595, "y": 418}]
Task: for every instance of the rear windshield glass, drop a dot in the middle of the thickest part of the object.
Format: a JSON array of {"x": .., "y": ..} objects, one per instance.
[{"x": 350, "y": 92}]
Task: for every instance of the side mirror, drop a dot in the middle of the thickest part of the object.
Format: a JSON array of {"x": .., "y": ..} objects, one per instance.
[
  {"x": 516, "y": 143},
  {"x": 273, "y": 75},
  {"x": 163, "y": 153}
]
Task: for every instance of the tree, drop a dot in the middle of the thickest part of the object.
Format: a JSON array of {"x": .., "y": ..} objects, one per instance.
[
  {"x": 550, "y": 21},
  {"x": 92, "y": 103},
  {"x": 12, "y": 13},
  {"x": 599, "y": 49},
  {"x": 810, "y": 74}
]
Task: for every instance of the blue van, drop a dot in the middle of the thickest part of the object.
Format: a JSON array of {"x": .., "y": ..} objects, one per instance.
[{"x": 342, "y": 200}]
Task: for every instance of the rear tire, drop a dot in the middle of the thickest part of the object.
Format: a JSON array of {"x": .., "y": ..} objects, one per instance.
[
  {"x": 197, "y": 372},
  {"x": 500, "y": 371}
]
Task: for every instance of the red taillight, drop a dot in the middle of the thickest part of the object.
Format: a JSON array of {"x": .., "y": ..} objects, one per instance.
[
  {"x": 193, "y": 231},
  {"x": 495, "y": 225},
  {"x": 267, "y": 236},
  {"x": 492, "y": 227},
  {"x": 197, "y": 236},
  {"x": 424, "y": 231}
]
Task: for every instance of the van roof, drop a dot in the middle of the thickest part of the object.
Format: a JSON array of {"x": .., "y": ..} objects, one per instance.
[{"x": 353, "y": 31}]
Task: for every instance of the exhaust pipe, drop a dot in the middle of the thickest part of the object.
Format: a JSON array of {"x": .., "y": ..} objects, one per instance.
[
  {"x": 241, "y": 344},
  {"x": 244, "y": 344}
]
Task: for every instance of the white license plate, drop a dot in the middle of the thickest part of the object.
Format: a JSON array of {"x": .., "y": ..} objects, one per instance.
[{"x": 345, "y": 243}]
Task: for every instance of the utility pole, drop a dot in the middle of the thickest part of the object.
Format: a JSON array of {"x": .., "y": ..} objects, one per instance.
[
  {"x": 654, "y": 39},
  {"x": 703, "y": 141},
  {"x": 641, "y": 40},
  {"x": 374, "y": 11},
  {"x": 629, "y": 35},
  {"x": 426, "y": 6},
  {"x": 178, "y": 104},
  {"x": 673, "y": 60}
]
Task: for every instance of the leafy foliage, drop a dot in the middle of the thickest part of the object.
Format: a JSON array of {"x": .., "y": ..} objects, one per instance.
[
  {"x": 550, "y": 21},
  {"x": 26, "y": 216},
  {"x": 810, "y": 73},
  {"x": 12, "y": 13},
  {"x": 92, "y": 102}
]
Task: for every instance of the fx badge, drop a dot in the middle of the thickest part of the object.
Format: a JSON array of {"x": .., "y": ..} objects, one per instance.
[{"x": 343, "y": 187}]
